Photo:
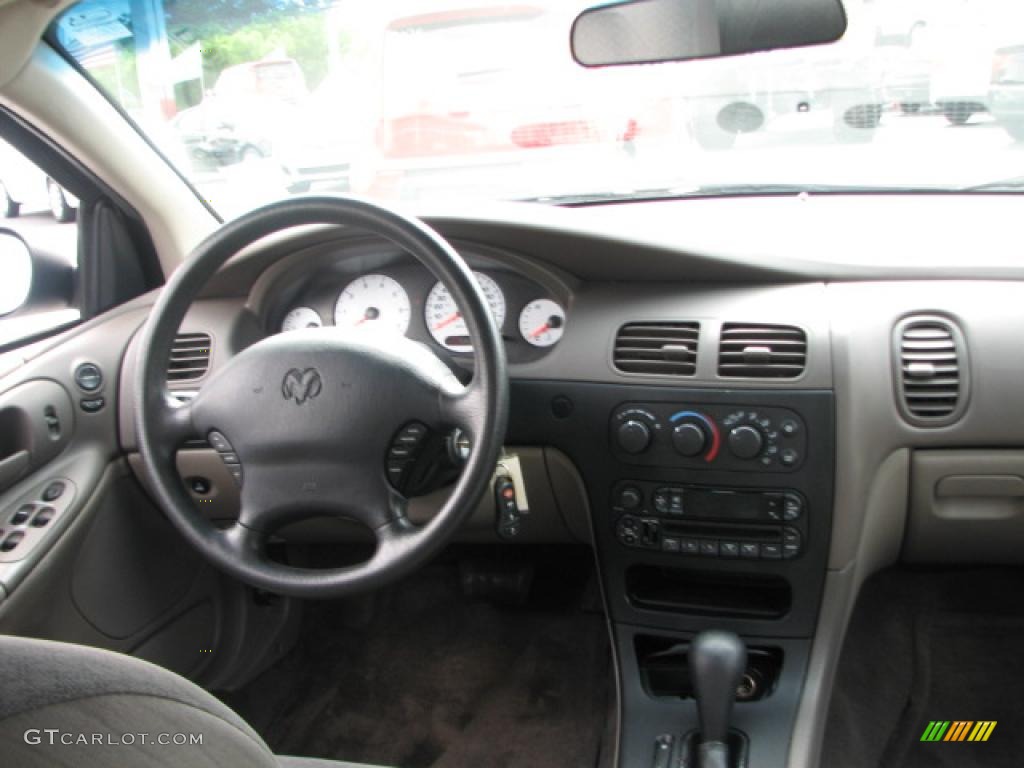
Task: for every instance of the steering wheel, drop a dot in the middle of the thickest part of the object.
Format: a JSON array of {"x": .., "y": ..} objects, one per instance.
[{"x": 312, "y": 414}]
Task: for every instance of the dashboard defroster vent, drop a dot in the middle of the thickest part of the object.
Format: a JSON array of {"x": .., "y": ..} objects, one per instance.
[
  {"x": 756, "y": 351},
  {"x": 930, "y": 370},
  {"x": 664, "y": 349},
  {"x": 190, "y": 357}
]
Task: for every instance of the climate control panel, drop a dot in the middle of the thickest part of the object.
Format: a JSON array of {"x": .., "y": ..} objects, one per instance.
[{"x": 695, "y": 436}]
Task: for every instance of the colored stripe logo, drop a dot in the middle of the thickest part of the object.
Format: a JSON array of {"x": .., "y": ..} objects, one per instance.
[{"x": 958, "y": 730}]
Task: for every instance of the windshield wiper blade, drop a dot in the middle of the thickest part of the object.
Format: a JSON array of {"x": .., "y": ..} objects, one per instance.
[
  {"x": 713, "y": 190},
  {"x": 1011, "y": 184}
]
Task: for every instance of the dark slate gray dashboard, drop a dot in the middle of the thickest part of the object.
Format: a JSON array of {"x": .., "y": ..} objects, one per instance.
[{"x": 611, "y": 455}]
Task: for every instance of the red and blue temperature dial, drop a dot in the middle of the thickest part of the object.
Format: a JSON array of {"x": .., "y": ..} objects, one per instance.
[{"x": 694, "y": 434}]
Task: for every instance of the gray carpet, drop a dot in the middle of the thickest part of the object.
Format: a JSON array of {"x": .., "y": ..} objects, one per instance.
[
  {"x": 930, "y": 645},
  {"x": 419, "y": 676}
]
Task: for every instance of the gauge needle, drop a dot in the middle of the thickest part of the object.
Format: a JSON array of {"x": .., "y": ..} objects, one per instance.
[
  {"x": 542, "y": 329},
  {"x": 448, "y": 320},
  {"x": 372, "y": 313}
]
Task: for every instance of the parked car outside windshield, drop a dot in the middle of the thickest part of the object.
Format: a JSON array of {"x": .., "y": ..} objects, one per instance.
[{"x": 483, "y": 100}]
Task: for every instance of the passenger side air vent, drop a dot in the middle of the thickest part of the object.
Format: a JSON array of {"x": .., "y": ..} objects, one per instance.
[
  {"x": 931, "y": 370},
  {"x": 190, "y": 357},
  {"x": 750, "y": 350},
  {"x": 665, "y": 349}
]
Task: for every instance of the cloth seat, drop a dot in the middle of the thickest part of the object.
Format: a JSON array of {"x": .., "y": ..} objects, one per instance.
[{"x": 70, "y": 705}]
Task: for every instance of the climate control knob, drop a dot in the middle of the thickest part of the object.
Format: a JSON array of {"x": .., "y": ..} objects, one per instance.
[
  {"x": 745, "y": 442},
  {"x": 633, "y": 436},
  {"x": 689, "y": 439}
]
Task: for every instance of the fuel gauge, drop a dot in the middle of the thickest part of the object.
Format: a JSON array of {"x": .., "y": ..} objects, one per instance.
[{"x": 301, "y": 317}]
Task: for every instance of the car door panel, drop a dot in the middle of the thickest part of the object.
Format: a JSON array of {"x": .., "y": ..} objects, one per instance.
[{"x": 107, "y": 568}]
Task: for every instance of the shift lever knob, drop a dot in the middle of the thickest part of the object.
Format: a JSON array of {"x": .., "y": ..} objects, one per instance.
[{"x": 717, "y": 661}]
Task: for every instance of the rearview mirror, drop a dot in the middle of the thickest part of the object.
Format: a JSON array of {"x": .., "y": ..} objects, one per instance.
[{"x": 650, "y": 31}]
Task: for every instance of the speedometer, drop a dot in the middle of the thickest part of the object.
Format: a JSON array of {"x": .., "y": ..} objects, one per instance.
[
  {"x": 444, "y": 318},
  {"x": 373, "y": 303}
]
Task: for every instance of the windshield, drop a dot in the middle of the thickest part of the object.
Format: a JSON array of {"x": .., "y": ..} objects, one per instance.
[{"x": 434, "y": 99}]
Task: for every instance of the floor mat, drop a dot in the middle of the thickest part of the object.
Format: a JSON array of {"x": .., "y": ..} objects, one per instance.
[
  {"x": 930, "y": 646},
  {"x": 428, "y": 678}
]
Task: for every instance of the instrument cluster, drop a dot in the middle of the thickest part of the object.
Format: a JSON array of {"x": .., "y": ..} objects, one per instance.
[{"x": 406, "y": 300}]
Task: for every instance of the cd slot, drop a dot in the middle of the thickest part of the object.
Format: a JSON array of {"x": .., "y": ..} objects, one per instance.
[{"x": 735, "y": 531}]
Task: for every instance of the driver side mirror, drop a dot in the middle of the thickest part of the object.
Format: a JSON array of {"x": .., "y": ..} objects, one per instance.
[
  {"x": 652, "y": 31},
  {"x": 36, "y": 292},
  {"x": 16, "y": 265}
]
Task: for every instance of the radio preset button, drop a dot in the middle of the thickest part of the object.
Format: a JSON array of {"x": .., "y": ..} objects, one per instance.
[{"x": 750, "y": 550}]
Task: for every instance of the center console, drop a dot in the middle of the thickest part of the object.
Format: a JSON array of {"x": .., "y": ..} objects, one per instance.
[{"x": 711, "y": 510}]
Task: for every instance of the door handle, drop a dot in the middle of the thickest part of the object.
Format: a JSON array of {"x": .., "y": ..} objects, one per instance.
[{"x": 12, "y": 468}]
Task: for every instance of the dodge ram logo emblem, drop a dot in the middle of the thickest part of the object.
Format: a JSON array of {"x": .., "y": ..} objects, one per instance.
[{"x": 301, "y": 386}]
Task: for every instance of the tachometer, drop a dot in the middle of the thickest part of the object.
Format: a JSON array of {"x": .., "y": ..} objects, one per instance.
[
  {"x": 542, "y": 322},
  {"x": 444, "y": 318},
  {"x": 301, "y": 317},
  {"x": 375, "y": 303}
]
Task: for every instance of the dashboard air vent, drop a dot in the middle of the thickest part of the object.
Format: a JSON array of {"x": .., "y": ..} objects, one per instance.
[
  {"x": 751, "y": 350},
  {"x": 930, "y": 361},
  {"x": 190, "y": 357},
  {"x": 666, "y": 349}
]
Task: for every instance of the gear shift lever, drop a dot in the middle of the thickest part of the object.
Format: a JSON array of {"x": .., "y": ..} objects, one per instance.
[{"x": 717, "y": 661}]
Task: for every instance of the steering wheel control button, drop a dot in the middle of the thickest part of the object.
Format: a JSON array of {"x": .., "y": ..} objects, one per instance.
[
  {"x": 228, "y": 457},
  {"x": 88, "y": 377},
  {"x": 12, "y": 540},
  {"x": 92, "y": 404},
  {"x": 405, "y": 449},
  {"x": 199, "y": 485},
  {"x": 411, "y": 434},
  {"x": 218, "y": 442},
  {"x": 235, "y": 470},
  {"x": 53, "y": 491}
]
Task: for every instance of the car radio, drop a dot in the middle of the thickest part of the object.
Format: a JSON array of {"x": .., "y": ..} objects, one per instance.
[{"x": 710, "y": 522}]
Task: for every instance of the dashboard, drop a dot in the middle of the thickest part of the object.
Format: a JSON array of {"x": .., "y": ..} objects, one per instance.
[{"x": 744, "y": 422}]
